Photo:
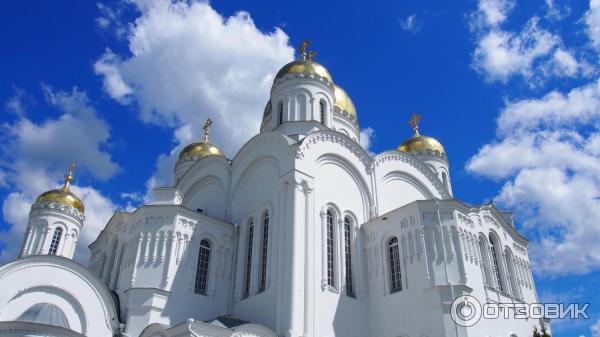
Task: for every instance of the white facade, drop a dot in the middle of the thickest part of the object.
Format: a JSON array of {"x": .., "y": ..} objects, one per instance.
[{"x": 301, "y": 233}]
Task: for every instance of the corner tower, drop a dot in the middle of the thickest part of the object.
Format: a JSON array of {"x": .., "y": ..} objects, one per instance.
[{"x": 55, "y": 222}]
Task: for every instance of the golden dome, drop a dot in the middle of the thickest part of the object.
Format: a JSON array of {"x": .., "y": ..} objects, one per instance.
[
  {"x": 201, "y": 149},
  {"x": 304, "y": 66},
  {"x": 63, "y": 196},
  {"x": 421, "y": 144},
  {"x": 343, "y": 101}
]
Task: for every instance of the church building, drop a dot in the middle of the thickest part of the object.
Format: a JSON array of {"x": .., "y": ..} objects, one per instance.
[{"x": 302, "y": 233}]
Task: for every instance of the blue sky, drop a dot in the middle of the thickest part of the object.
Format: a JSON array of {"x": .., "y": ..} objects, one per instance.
[{"x": 510, "y": 87}]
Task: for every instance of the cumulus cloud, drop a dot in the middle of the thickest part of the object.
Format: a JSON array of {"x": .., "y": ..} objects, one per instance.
[
  {"x": 534, "y": 53},
  {"x": 35, "y": 157},
  {"x": 548, "y": 154},
  {"x": 188, "y": 63}
]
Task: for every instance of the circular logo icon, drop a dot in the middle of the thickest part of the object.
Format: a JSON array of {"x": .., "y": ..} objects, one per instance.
[{"x": 466, "y": 311}]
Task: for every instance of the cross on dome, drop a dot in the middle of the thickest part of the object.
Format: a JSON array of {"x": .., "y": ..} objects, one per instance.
[
  {"x": 69, "y": 177},
  {"x": 206, "y": 129},
  {"x": 414, "y": 122}
]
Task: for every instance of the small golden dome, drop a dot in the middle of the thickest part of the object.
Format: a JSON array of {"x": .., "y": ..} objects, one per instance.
[
  {"x": 201, "y": 149},
  {"x": 63, "y": 196},
  {"x": 343, "y": 101},
  {"x": 421, "y": 144},
  {"x": 304, "y": 66},
  {"x": 60, "y": 196}
]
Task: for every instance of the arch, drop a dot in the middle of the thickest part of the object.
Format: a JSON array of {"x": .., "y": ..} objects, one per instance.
[
  {"x": 345, "y": 165},
  {"x": 208, "y": 194},
  {"x": 45, "y": 313},
  {"x": 249, "y": 171},
  {"x": 66, "y": 284},
  {"x": 301, "y": 103},
  {"x": 409, "y": 178}
]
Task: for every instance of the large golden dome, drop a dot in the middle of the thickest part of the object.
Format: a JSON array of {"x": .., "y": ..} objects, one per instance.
[
  {"x": 63, "y": 196},
  {"x": 201, "y": 149},
  {"x": 421, "y": 144},
  {"x": 343, "y": 101},
  {"x": 304, "y": 66}
]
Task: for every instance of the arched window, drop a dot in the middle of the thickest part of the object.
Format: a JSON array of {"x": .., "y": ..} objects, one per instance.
[
  {"x": 202, "y": 267},
  {"x": 445, "y": 180},
  {"x": 322, "y": 110},
  {"x": 248, "y": 273},
  {"x": 395, "y": 271},
  {"x": 280, "y": 112},
  {"x": 58, "y": 232},
  {"x": 483, "y": 251},
  {"x": 118, "y": 269},
  {"x": 512, "y": 271},
  {"x": 264, "y": 252},
  {"x": 113, "y": 255},
  {"x": 348, "y": 258},
  {"x": 330, "y": 249},
  {"x": 494, "y": 252}
]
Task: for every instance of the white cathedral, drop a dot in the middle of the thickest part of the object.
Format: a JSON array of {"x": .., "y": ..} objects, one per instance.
[{"x": 301, "y": 234}]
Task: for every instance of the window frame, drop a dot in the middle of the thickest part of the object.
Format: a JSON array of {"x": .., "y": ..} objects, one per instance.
[
  {"x": 393, "y": 253},
  {"x": 349, "y": 280},
  {"x": 55, "y": 242},
  {"x": 203, "y": 275},
  {"x": 264, "y": 252},
  {"x": 247, "y": 281}
]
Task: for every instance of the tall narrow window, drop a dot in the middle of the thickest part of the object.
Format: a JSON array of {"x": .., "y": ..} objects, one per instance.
[
  {"x": 280, "y": 112},
  {"x": 445, "y": 180},
  {"x": 395, "y": 272},
  {"x": 249, "y": 259},
  {"x": 485, "y": 261},
  {"x": 55, "y": 241},
  {"x": 330, "y": 250},
  {"x": 202, "y": 267},
  {"x": 264, "y": 253},
  {"x": 118, "y": 269},
  {"x": 323, "y": 108},
  {"x": 496, "y": 263},
  {"x": 348, "y": 258}
]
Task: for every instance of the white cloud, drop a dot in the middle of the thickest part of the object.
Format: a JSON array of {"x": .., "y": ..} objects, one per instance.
[
  {"x": 554, "y": 12},
  {"x": 113, "y": 82},
  {"x": 188, "y": 63},
  {"x": 366, "y": 139},
  {"x": 548, "y": 154},
  {"x": 534, "y": 53},
  {"x": 36, "y": 156},
  {"x": 411, "y": 23},
  {"x": 592, "y": 20}
]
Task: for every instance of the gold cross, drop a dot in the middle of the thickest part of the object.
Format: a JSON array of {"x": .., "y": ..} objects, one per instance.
[
  {"x": 302, "y": 50},
  {"x": 414, "y": 122},
  {"x": 69, "y": 177},
  {"x": 206, "y": 129}
]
